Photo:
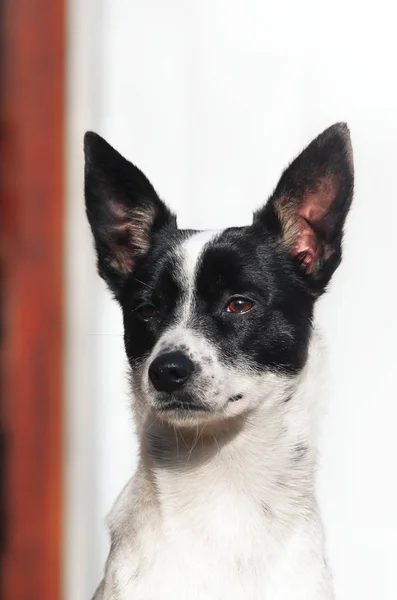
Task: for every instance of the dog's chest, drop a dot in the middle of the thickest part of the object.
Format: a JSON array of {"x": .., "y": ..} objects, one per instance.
[
  {"x": 210, "y": 555},
  {"x": 218, "y": 549}
]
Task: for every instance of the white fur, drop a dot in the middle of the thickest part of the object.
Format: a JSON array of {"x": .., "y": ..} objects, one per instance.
[
  {"x": 190, "y": 252},
  {"x": 228, "y": 512}
]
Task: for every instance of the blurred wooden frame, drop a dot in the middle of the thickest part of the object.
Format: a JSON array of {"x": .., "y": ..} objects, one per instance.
[{"x": 32, "y": 85}]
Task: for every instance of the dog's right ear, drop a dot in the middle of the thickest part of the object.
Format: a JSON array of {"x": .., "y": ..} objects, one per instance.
[
  {"x": 123, "y": 209},
  {"x": 308, "y": 208}
]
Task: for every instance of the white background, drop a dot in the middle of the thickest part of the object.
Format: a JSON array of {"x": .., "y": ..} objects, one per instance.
[{"x": 211, "y": 99}]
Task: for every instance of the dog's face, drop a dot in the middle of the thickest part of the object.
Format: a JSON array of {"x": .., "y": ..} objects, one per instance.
[{"x": 217, "y": 323}]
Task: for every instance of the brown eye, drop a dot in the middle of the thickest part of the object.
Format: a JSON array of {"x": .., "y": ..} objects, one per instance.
[
  {"x": 148, "y": 311},
  {"x": 239, "y": 305}
]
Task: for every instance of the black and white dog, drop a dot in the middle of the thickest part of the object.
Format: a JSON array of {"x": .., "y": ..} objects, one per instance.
[{"x": 224, "y": 361}]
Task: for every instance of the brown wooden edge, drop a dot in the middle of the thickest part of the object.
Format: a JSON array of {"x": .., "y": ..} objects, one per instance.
[{"x": 31, "y": 248}]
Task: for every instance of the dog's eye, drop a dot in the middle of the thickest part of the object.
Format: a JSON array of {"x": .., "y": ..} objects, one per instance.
[
  {"x": 239, "y": 305},
  {"x": 148, "y": 311}
]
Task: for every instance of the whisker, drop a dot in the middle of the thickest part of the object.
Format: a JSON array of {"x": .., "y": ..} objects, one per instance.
[
  {"x": 183, "y": 440},
  {"x": 152, "y": 423},
  {"x": 194, "y": 444},
  {"x": 142, "y": 282},
  {"x": 216, "y": 442},
  {"x": 176, "y": 439}
]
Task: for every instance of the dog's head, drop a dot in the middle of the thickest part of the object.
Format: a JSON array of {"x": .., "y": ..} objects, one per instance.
[{"x": 217, "y": 323}]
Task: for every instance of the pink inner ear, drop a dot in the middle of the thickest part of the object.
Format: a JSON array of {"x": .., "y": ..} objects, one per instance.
[
  {"x": 306, "y": 245},
  {"x": 129, "y": 236},
  {"x": 123, "y": 259},
  {"x": 316, "y": 203},
  {"x": 300, "y": 220},
  {"x": 120, "y": 238}
]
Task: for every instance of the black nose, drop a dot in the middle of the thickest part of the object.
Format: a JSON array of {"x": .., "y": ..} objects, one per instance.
[{"x": 169, "y": 372}]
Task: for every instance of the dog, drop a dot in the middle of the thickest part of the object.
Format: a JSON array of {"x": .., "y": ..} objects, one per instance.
[{"x": 224, "y": 361}]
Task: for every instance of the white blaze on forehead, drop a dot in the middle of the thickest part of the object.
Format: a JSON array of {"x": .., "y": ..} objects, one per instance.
[
  {"x": 191, "y": 251},
  {"x": 189, "y": 255}
]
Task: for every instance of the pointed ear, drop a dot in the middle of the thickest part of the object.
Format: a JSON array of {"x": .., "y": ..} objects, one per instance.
[
  {"x": 123, "y": 210},
  {"x": 310, "y": 203}
]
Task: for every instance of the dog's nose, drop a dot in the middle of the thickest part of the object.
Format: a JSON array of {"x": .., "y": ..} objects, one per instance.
[{"x": 169, "y": 372}]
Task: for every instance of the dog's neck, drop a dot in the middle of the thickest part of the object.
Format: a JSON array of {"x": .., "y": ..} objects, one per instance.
[{"x": 266, "y": 456}]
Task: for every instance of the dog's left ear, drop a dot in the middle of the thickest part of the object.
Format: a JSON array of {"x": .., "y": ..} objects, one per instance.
[
  {"x": 123, "y": 209},
  {"x": 310, "y": 203}
]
